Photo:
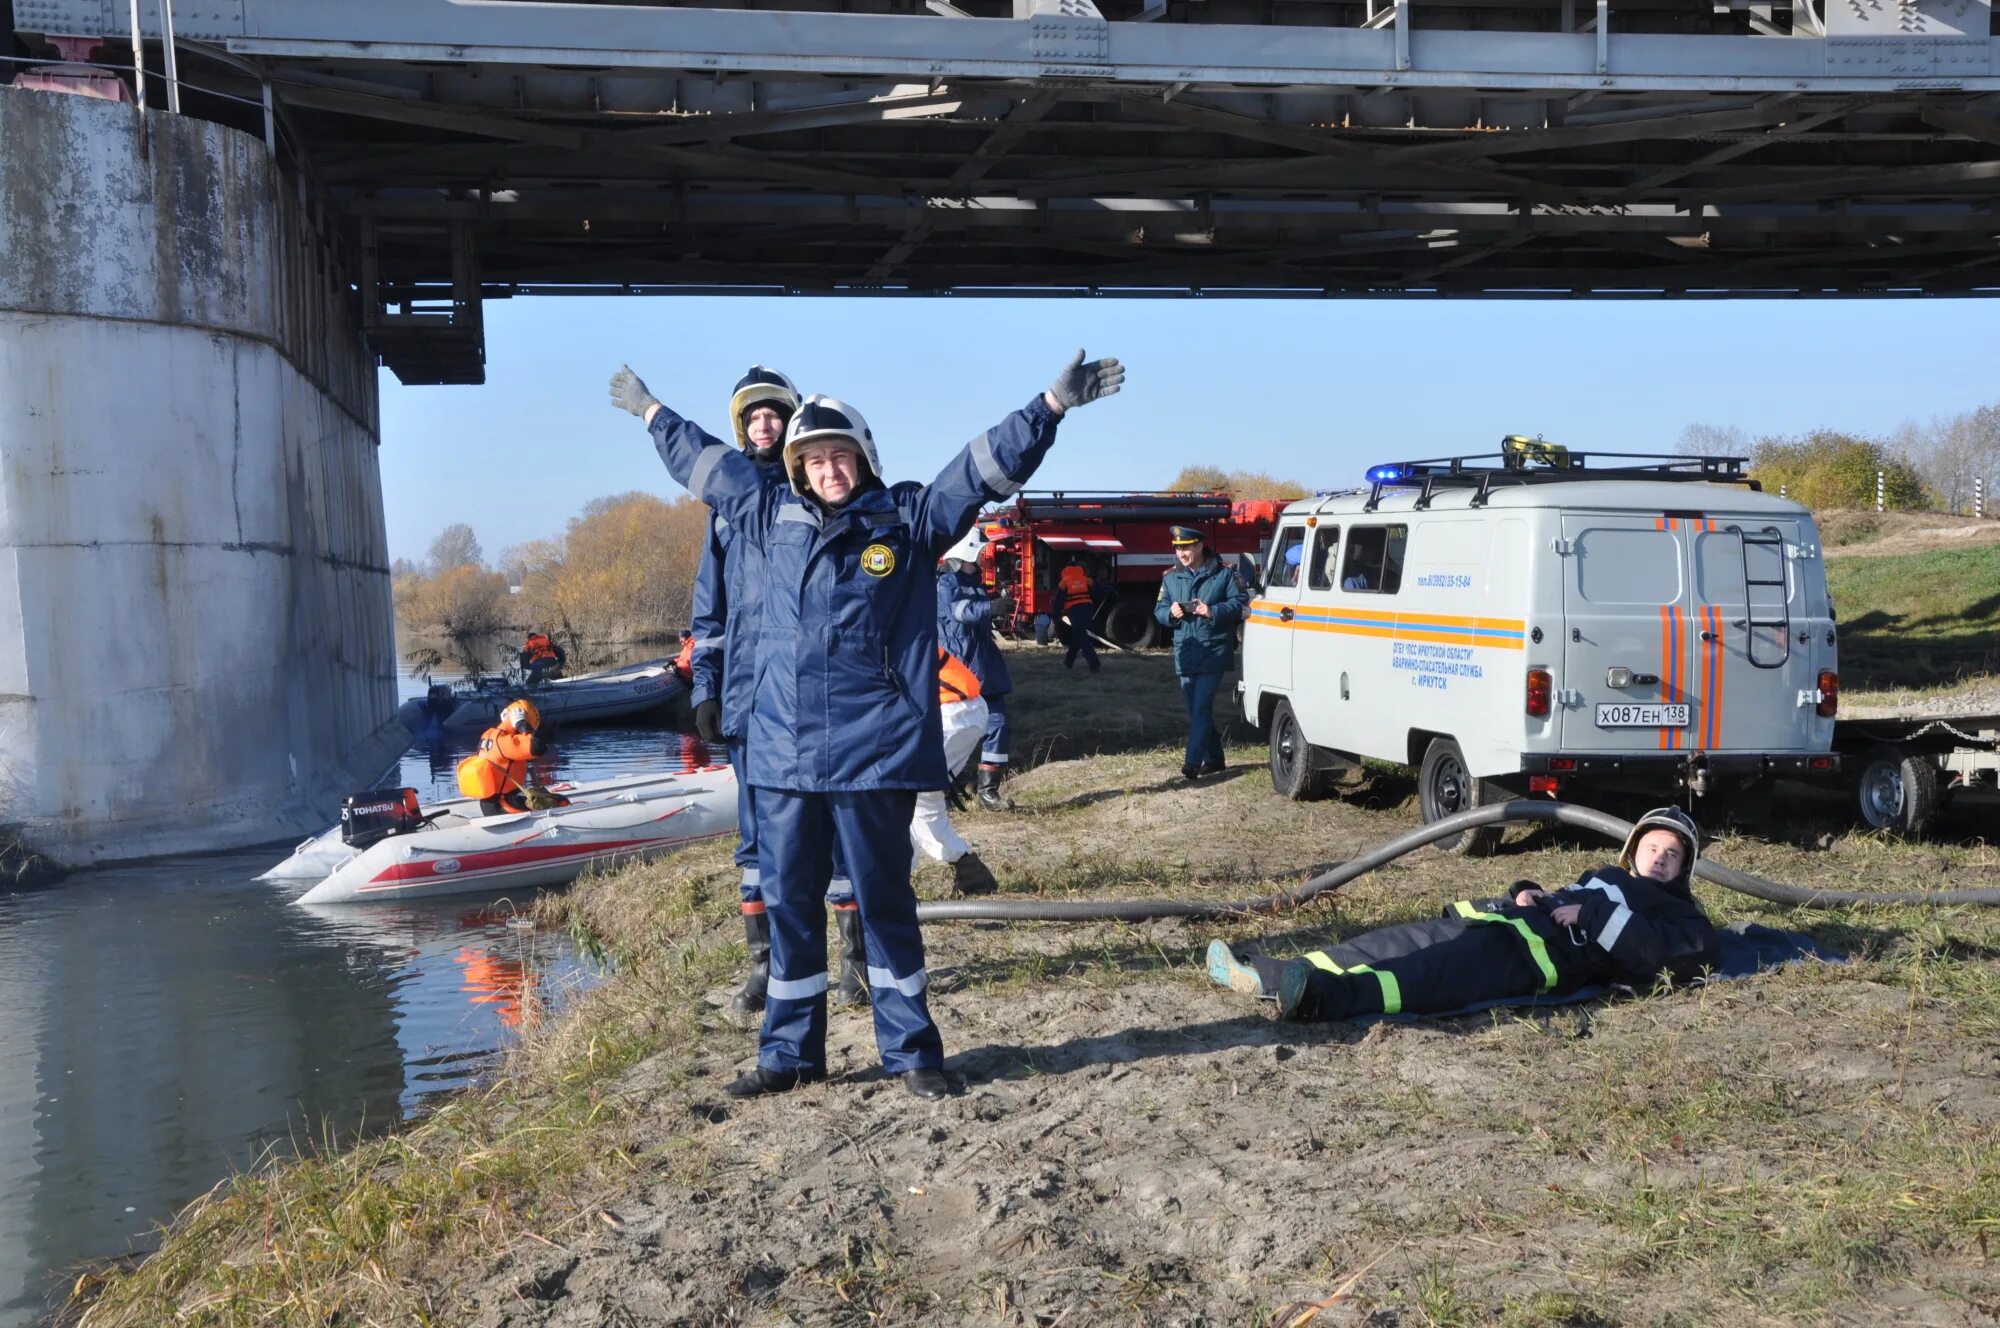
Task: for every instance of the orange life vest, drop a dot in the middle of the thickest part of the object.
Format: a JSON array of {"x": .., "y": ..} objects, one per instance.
[
  {"x": 539, "y": 650},
  {"x": 1075, "y": 587},
  {"x": 500, "y": 766},
  {"x": 955, "y": 681}
]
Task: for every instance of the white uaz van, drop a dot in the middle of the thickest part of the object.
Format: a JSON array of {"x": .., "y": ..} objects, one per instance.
[{"x": 1541, "y": 625}]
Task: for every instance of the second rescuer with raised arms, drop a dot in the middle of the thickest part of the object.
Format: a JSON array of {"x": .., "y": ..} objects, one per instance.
[{"x": 844, "y": 729}]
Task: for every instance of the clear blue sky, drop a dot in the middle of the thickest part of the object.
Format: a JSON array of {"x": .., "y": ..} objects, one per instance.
[{"x": 1308, "y": 390}]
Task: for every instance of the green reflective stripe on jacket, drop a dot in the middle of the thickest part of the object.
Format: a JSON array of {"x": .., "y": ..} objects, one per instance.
[
  {"x": 1392, "y": 991},
  {"x": 1538, "y": 950}
]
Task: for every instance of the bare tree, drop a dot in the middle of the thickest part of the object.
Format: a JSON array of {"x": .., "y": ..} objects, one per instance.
[
  {"x": 455, "y": 546},
  {"x": 1714, "y": 440}
]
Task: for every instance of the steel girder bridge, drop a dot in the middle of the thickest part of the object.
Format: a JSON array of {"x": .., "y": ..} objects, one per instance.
[{"x": 470, "y": 149}]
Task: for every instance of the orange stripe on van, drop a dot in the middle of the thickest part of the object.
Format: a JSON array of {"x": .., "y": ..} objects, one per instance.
[
  {"x": 1712, "y": 716},
  {"x": 1666, "y": 661}
]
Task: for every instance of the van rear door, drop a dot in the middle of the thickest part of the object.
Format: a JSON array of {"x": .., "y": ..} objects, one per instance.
[
  {"x": 1749, "y": 668},
  {"x": 1627, "y": 641}
]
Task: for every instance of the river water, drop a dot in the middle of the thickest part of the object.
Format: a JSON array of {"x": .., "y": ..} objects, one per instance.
[{"x": 167, "y": 1023}]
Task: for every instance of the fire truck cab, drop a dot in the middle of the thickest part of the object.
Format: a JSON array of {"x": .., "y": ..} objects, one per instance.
[{"x": 1542, "y": 623}]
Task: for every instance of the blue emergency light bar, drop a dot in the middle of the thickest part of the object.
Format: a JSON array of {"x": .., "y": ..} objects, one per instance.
[{"x": 1387, "y": 474}]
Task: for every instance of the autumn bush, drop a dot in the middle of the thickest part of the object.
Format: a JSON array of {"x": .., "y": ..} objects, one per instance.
[
  {"x": 1826, "y": 469},
  {"x": 622, "y": 571}
]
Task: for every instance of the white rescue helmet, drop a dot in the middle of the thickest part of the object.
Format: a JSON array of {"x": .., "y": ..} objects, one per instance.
[
  {"x": 1666, "y": 818},
  {"x": 821, "y": 420},
  {"x": 967, "y": 549},
  {"x": 760, "y": 387}
]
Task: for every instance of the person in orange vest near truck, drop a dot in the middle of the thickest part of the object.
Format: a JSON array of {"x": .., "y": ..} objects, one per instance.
[
  {"x": 962, "y": 708},
  {"x": 541, "y": 658},
  {"x": 1075, "y": 599},
  {"x": 497, "y": 774}
]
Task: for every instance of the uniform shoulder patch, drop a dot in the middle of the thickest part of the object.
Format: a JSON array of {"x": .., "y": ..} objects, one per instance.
[{"x": 878, "y": 560}]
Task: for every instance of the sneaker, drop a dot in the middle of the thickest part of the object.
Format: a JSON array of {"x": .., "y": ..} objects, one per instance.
[
  {"x": 1226, "y": 970},
  {"x": 1297, "y": 1001}
]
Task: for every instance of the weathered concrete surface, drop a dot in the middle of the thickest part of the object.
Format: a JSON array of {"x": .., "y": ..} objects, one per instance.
[{"x": 196, "y": 643}]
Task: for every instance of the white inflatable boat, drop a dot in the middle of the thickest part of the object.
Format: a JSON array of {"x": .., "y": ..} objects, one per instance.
[{"x": 460, "y": 852}]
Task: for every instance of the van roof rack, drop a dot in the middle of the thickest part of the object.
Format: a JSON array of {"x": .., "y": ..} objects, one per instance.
[{"x": 1534, "y": 461}]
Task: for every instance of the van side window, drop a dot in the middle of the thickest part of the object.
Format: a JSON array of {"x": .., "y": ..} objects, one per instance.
[
  {"x": 1284, "y": 569},
  {"x": 1374, "y": 562},
  {"x": 1326, "y": 543}
]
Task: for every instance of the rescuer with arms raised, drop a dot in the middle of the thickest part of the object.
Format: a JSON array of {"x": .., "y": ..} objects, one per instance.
[
  {"x": 1633, "y": 923},
  {"x": 1201, "y": 603},
  {"x": 844, "y": 729},
  {"x": 965, "y": 628}
]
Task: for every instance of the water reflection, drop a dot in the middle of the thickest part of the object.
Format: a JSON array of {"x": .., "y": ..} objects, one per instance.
[{"x": 163, "y": 1024}]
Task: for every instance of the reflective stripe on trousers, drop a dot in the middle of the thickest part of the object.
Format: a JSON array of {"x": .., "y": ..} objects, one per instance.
[
  {"x": 1392, "y": 991},
  {"x": 1538, "y": 950}
]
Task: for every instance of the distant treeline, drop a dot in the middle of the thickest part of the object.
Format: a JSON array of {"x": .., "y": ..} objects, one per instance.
[
  {"x": 1924, "y": 467},
  {"x": 623, "y": 570}
]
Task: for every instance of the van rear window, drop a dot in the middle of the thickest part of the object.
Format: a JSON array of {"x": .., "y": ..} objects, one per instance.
[
  {"x": 1624, "y": 566},
  {"x": 1374, "y": 561}
]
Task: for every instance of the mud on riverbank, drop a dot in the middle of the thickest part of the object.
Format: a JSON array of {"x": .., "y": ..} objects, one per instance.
[{"x": 1134, "y": 1145}]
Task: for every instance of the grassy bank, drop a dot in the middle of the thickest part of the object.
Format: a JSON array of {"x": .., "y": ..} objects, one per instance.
[{"x": 1137, "y": 1146}]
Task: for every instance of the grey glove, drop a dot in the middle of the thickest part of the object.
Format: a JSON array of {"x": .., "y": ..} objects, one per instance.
[
  {"x": 1079, "y": 384},
  {"x": 628, "y": 392}
]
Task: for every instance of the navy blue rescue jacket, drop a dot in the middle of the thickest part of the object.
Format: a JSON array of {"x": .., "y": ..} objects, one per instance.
[
  {"x": 844, "y": 686},
  {"x": 1203, "y": 645},
  {"x": 965, "y": 628},
  {"x": 1631, "y": 930},
  {"x": 728, "y": 590}
]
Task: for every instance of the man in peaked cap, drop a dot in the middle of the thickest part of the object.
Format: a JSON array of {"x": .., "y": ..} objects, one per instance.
[{"x": 1202, "y": 600}]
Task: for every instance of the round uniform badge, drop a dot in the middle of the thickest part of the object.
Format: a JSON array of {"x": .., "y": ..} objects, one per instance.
[{"x": 878, "y": 560}]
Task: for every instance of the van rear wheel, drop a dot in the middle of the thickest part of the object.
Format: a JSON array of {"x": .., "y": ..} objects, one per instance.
[
  {"x": 1291, "y": 757},
  {"x": 1446, "y": 787},
  {"x": 1897, "y": 791}
]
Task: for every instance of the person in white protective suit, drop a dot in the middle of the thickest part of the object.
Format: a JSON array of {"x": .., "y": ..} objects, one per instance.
[{"x": 931, "y": 834}]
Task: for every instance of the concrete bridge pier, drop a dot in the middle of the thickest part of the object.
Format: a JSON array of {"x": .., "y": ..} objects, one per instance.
[{"x": 196, "y": 637}]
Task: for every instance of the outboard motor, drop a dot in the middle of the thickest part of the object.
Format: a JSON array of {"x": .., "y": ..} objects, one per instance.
[{"x": 369, "y": 818}]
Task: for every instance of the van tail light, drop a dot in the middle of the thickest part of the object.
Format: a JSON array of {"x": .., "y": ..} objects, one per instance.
[
  {"x": 1829, "y": 694},
  {"x": 1548, "y": 784},
  {"x": 1542, "y": 690}
]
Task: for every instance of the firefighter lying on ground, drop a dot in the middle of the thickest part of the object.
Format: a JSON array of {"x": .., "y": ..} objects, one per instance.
[
  {"x": 844, "y": 724},
  {"x": 1632, "y": 923},
  {"x": 497, "y": 774}
]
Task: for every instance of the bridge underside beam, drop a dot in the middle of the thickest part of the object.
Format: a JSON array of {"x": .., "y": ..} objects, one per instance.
[{"x": 1458, "y": 148}]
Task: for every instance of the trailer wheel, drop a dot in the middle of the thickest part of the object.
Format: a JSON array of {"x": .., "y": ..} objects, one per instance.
[
  {"x": 1897, "y": 791},
  {"x": 1291, "y": 757},
  {"x": 1128, "y": 621},
  {"x": 1444, "y": 787}
]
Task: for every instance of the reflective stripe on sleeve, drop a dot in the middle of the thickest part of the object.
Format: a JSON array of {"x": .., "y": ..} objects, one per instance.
[
  {"x": 1616, "y": 927},
  {"x": 912, "y": 985},
  {"x": 988, "y": 465},
  {"x": 800, "y": 989},
  {"x": 798, "y": 512},
  {"x": 704, "y": 466},
  {"x": 1537, "y": 949},
  {"x": 708, "y": 643}
]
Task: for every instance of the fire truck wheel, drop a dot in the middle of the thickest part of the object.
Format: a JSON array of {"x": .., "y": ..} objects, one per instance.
[
  {"x": 1291, "y": 757},
  {"x": 1128, "y": 621},
  {"x": 1446, "y": 787},
  {"x": 1897, "y": 791}
]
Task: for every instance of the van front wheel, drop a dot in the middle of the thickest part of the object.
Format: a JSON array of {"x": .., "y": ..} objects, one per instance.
[
  {"x": 1291, "y": 757},
  {"x": 1446, "y": 787}
]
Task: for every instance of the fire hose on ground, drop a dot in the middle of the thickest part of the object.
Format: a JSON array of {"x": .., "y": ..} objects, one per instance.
[{"x": 1518, "y": 811}]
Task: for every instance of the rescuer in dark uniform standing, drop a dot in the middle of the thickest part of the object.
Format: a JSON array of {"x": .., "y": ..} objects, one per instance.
[
  {"x": 728, "y": 592},
  {"x": 1201, "y": 602},
  {"x": 844, "y": 723},
  {"x": 965, "y": 628}
]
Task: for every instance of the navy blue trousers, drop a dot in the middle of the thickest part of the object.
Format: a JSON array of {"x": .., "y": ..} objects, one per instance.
[
  {"x": 839, "y": 890},
  {"x": 1081, "y": 619},
  {"x": 993, "y": 751},
  {"x": 796, "y": 835},
  {"x": 1204, "y": 744}
]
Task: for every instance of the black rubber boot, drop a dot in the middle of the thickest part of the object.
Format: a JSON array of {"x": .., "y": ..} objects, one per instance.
[
  {"x": 970, "y": 876},
  {"x": 852, "y": 989},
  {"x": 989, "y": 789},
  {"x": 749, "y": 998},
  {"x": 760, "y": 1081}
]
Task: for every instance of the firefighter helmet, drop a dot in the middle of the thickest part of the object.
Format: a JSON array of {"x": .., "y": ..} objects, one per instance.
[
  {"x": 821, "y": 420},
  {"x": 760, "y": 387},
  {"x": 1665, "y": 818}
]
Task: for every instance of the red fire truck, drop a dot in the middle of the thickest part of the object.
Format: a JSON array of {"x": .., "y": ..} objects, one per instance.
[{"x": 1121, "y": 540}]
